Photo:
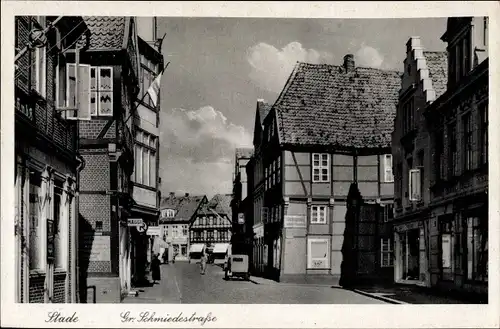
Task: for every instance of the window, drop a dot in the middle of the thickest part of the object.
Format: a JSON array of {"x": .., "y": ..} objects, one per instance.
[
  {"x": 477, "y": 248},
  {"x": 468, "y": 156},
  {"x": 216, "y": 235},
  {"x": 421, "y": 174},
  {"x": 321, "y": 162},
  {"x": 446, "y": 245},
  {"x": 453, "y": 154},
  {"x": 148, "y": 72},
  {"x": 95, "y": 91},
  {"x": 59, "y": 227},
  {"x": 388, "y": 213},
  {"x": 169, "y": 213},
  {"x": 386, "y": 250},
  {"x": 36, "y": 241},
  {"x": 98, "y": 226},
  {"x": 318, "y": 214},
  {"x": 210, "y": 234},
  {"x": 317, "y": 253},
  {"x": 484, "y": 132},
  {"x": 145, "y": 159},
  {"x": 278, "y": 170},
  {"x": 184, "y": 230},
  {"x": 408, "y": 116},
  {"x": 415, "y": 189},
  {"x": 183, "y": 250},
  {"x": 439, "y": 152},
  {"x": 388, "y": 174}
]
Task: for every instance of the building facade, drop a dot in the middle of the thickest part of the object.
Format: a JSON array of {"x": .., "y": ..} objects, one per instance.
[
  {"x": 424, "y": 79},
  {"x": 315, "y": 146},
  {"x": 242, "y": 232},
  {"x": 46, "y": 163},
  {"x": 458, "y": 126},
  {"x": 146, "y": 131},
  {"x": 255, "y": 194},
  {"x": 177, "y": 213},
  {"x": 212, "y": 224},
  {"x": 107, "y": 62}
]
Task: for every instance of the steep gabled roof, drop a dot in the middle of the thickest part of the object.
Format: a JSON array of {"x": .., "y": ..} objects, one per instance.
[
  {"x": 325, "y": 104},
  {"x": 106, "y": 32},
  {"x": 263, "y": 109},
  {"x": 437, "y": 63},
  {"x": 220, "y": 203},
  {"x": 185, "y": 206}
]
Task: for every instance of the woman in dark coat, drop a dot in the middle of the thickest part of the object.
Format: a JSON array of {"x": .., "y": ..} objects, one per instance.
[{"x": 155, "y": 269}]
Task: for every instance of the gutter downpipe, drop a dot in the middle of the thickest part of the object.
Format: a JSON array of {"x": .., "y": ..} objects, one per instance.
[{"x": 79, "y": 169}]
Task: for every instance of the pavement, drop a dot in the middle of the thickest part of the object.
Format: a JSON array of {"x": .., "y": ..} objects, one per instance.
[{"x": 182, "y": 283}]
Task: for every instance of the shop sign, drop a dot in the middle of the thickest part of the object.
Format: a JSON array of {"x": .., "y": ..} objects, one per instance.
[
  {"x": 135, "y": 222},
  {"x": 295, "y": 221},
  {"x": 241, "y": 218},
  {"x": 154, "y": 230},
  {"x": 407, "y": 227}
]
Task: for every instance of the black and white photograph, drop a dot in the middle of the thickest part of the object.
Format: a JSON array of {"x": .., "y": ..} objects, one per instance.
[{"x": 246, "y": 159}]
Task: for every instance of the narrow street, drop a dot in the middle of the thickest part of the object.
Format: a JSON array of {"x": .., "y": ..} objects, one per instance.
[{"x": 182, "y": 283}]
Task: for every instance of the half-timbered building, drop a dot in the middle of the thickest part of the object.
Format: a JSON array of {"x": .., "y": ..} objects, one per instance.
[{"x": 329, "y": 128}]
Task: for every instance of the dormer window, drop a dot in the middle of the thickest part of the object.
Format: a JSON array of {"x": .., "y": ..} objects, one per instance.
[{"x": 168, "y": 213}]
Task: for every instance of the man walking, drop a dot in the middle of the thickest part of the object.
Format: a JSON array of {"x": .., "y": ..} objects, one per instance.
[{"x": 203, "y": 262}]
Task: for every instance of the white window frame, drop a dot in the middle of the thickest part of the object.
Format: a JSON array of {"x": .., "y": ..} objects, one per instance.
[
  {"x": 170, "y": 213},
  {"x": 310, "y": 260},
  {"x": 388, "y": 172},
  {"x": 320, "y": 167},
  {"x": 98, "y": 90},
  {"x": 389, "y": 251},
  {"x": 414, "y": 178},
  {"x": 318, "y": 219},
  {"x": 69, "y": 114}
]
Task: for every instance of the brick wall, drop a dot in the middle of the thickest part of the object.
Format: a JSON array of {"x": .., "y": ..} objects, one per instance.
[
  {"x": 59, "y": 288},
  {"x": 36, "y": 286},
  {"x": 96, "y": 175},
  {"x": 91, "y": 129}
]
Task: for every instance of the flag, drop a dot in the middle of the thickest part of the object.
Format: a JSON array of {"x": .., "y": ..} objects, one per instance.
[{"x": 154, "y": 89}]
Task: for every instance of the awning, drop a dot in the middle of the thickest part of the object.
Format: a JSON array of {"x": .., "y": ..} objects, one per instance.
[
  {"x": 197, "y": 247},
  {"x": 220, "y": 248}
]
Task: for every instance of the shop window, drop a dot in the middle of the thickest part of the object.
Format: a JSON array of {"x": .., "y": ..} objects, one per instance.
[
  {"x": 36, "y": 241},
  {"x": 318, "y": 214},
  {"x": 183, "y": 250},
  {"x": 477, "y": 248},
  {"x": 184, "y": 230},
  {"x": 447, "y": 241},
  {"x": 386, "y": 253},
  {"x": 321, "y": 167},
  {"x": 317, "y": 253}
]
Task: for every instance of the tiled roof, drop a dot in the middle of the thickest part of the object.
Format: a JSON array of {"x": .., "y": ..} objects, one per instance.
[
  {"x": 184, "y": 206},
  {"x": 323, "y": 104},
  {"x": 437, "y": 62},
  {"x": 220, "y": 203},
  {"x": 106, "y": 32},
  {"x": 244, "y": 153},
  {"x": 264, "y": 109}
]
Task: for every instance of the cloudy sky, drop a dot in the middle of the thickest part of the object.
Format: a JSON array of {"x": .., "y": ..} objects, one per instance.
[{"x": 219, "y": 67}]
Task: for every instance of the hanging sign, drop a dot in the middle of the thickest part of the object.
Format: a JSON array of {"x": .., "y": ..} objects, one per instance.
[
  {"x": 295, "y": 221},
  {"x": 154, "y": 230},
  {"x": 142, "y": 228},
  {"x": 241, "y": 218},
  {"x": 135, "y": 222},
  {"x": 50, "y": 240}
]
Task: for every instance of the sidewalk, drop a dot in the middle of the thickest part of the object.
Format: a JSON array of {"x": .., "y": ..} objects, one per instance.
[
  {"x": 166, "y": 291},
  {"x": 407, "y": 294}
]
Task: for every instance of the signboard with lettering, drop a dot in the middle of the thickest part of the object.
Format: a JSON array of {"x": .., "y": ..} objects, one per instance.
[
  {"x": 295, "y": 221},
  {"x": 50, "y": 240},
  {"x": 100, "y": 248},
  {"x": 241, "y": 218},
  {"x": 154, "y": 230},
  {"x": 135, "y": 222}
]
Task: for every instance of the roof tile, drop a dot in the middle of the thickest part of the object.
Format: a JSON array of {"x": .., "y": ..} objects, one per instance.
[
  {"x": 106, "y": 32},
  {"x": 323, "y": 104},
  {"x": 437, "y": 62},
  {"x": 184, "y": 206}
]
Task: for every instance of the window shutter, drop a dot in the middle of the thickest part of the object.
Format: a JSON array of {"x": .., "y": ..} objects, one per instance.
[
  {"x": 71, "y": 90},
  {"x": 414, "y": 184},
  {"x": 84, "y": 92}
]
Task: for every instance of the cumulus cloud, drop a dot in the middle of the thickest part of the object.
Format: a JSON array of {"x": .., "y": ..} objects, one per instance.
[
  {"x": 197, "y": 150},
  {"x": 368, "y": 57},
  {"x": 271, "y": 67}
]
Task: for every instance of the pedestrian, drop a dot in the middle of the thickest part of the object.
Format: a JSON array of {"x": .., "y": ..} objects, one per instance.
[
  {"x": 155, "y": 269},
  {"x": 165, "y": 257},
  {"x": 203, "y": 262}
]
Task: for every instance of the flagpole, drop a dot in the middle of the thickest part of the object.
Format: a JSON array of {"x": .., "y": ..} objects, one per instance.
[{"x": 143, "y": 96}]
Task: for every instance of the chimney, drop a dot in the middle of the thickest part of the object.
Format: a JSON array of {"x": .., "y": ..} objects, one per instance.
[
  {"x": 349, "y": 63},
  {"x": 186, "y": 195}
]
